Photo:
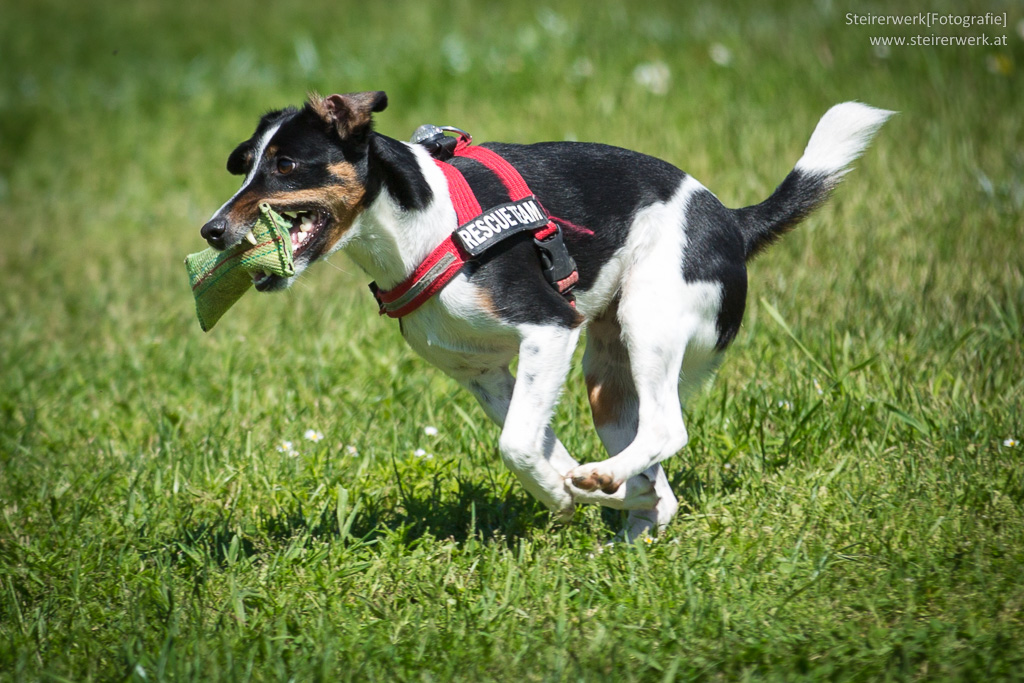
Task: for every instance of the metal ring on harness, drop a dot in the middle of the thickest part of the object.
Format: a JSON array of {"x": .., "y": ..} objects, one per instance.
[{"x": 434, "y": 140}]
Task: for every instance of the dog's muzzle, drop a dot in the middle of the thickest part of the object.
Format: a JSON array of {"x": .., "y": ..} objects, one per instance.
[{"x": 214, "y": 233}]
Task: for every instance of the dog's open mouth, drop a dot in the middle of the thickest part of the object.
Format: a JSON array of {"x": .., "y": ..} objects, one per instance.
[{"x": 308, "y": 226}]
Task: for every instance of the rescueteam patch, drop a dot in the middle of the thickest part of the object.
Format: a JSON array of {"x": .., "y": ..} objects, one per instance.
[{"x": 499, "y": 222}]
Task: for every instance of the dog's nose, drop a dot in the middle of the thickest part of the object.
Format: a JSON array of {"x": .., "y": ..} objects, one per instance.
[{"x": 213, "y": 232}]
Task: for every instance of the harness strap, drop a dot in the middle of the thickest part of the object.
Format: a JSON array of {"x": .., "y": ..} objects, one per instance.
[
  {"x": 507, "y": 174},
  {"x": 435, "y": 272},
  {"x": 466, "y": 205},
  {"x": 445, "y": 262}
]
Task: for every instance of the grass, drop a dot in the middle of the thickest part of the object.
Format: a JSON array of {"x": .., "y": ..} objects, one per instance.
[{"x": 853, "y": 493}]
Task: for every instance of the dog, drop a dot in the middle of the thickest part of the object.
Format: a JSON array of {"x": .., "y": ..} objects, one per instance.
[{"x": 661, "y": 266}]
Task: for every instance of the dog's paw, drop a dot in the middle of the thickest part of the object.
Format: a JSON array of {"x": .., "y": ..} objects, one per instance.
[
  {"x": 635, "y": 493},
  {"x": 589, "y": 479},
  {"x": 564, "y": 515},
  {"x": 641, "y": 525},
  {"x": 560, "y": 505}
]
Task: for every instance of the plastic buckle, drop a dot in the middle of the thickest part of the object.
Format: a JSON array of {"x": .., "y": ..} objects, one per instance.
[{"x": 555, "y": 260}]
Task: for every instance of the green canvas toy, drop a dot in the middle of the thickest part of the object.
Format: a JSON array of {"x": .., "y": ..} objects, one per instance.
[{"x": 220, "y": 278}]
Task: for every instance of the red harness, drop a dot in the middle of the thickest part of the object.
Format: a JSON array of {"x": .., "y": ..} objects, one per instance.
[{"x": 445, "y": 262}]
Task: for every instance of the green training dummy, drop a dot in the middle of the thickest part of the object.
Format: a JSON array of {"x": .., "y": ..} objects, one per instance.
[{"x": 220, "y": 278}]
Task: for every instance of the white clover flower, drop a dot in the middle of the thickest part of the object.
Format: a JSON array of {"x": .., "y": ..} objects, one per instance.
[
  {"x": 720, "y": 54},
  {"x": 581, "y": 69},
  {"x": 420, "y": 453},
  {"x": 655, "y": 76},
  {"x": 313, "y": 435},
  {"x": 553, "y": 22},
  {"x": 456, "y": 53},
  {"x": 430, "y": 431}
]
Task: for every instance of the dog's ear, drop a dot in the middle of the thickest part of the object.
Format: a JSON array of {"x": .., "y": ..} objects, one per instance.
[
  {"x": 241, "y": 159},
  {"x": 351, "y": 114}
]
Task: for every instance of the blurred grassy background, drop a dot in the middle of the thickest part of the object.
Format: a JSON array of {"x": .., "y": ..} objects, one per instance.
[{"x": 866, "y": 495}]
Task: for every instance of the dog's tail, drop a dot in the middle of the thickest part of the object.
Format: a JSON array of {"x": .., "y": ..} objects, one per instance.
[{"x": 840, "y": 137}]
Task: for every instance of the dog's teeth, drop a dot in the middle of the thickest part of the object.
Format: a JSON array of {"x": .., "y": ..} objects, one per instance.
[
  {"x": 307, "y": 223},
  {"x": 251, "y": 238}
]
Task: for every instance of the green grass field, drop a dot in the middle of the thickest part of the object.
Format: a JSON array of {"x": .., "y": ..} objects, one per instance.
[{"x": 853, "y": 491}]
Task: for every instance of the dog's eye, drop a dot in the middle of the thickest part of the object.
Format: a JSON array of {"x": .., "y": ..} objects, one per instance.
[{"x": 285, "y": 165}]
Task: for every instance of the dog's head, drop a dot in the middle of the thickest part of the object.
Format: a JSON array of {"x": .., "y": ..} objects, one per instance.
[{"x": 309, "y": 164}]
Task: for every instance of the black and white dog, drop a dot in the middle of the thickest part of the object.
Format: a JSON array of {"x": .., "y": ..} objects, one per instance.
[{"x": 661, "y": 262}]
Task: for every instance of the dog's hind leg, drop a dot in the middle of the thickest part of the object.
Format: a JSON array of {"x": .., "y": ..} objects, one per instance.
[
  {"x": 656, "y": 349},
  {"x": 524, "y": 406},
  {"x": 662, "y": 317},
  {"x": 641, "y": 522},
  {"x": 614, "y": 404}
]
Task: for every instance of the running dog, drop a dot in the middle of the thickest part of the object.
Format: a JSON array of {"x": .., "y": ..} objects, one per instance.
[{"x": 660, "y": 277}]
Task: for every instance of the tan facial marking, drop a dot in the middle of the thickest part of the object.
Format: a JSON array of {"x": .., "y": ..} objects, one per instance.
[
  {"x": 245, "y": 209},
  {"x": 328, "y": 198},
  {"x": 342, "y": 199},
  {"x": 348, "y": 179}
]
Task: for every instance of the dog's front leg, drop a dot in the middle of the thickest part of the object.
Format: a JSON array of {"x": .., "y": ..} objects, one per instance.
[{"x": 524, "y": 406}]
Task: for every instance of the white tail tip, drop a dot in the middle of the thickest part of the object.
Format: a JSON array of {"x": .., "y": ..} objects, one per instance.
[{"x": 840, "y": 137}]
